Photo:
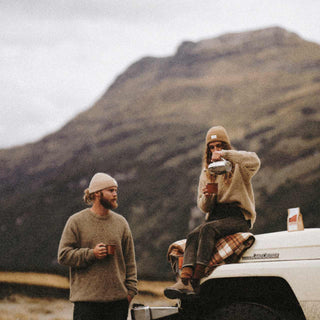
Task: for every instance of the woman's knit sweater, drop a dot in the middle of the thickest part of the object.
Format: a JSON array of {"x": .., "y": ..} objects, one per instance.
[{"x": 238, "y": 190}]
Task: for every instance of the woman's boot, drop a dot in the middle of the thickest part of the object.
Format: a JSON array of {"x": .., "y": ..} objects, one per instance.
[{"x": 183, "y": 286}]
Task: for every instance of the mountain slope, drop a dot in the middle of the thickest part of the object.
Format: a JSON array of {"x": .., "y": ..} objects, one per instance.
[{"x": 148, "y": 130}]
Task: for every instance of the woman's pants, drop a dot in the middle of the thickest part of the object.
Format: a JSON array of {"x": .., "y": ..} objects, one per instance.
[{"x": 201, "y": 241}]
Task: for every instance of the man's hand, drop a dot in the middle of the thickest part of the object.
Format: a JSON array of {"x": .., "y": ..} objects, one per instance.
[{"x": 100, "y": 251}]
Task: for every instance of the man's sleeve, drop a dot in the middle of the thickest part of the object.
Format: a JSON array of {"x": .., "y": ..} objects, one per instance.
[
  {"x": 70, "y": 253},
  {"x": 131, "y": 268}
]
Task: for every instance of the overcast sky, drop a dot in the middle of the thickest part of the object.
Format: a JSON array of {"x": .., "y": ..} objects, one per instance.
[{"x": 57, "y": 57}]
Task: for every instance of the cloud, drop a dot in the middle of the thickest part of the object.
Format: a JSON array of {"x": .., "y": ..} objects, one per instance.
[{"x": 58, "y": 57}]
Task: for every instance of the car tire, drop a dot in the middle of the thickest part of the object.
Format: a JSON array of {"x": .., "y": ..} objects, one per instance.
[{"x": 244, "y": 311}]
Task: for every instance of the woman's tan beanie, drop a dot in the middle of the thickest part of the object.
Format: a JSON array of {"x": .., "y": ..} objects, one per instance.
[
  {"x": 217, "y": 133},
  {"x": 101, "y": 181}
]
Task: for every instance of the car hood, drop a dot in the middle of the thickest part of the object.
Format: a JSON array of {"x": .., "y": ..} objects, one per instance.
[{"x": 284, "y": 245}]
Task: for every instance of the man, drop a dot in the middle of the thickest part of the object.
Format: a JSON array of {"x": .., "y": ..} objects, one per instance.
[
  {"x": 229, "y": 206},
  {"x": 102, "y": 282}
]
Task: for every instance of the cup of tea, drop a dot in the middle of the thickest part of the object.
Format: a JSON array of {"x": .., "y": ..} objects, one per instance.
[
  {"x": 111, "y": 248},
  {"x": 212, "y": 188}
]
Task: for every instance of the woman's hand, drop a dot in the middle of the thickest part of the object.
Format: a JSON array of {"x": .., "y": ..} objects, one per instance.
[
  {"x": 210, "y": 189},
  {"x": 216, "y": 156},
  {"x": 206, "y": 192}
]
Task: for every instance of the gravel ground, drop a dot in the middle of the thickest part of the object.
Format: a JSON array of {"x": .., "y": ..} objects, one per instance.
[{"x": 21, "y": 307}]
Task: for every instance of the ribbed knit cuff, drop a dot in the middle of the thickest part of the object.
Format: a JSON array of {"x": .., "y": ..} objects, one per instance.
[
  {"x": 91, "y": 255},
  {"x": 186, "y": 272},
  {"x": 199, "y": 271}
]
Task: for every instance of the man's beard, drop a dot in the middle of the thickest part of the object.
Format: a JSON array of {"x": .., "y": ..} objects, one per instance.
[{"x": 108, "y": 204}]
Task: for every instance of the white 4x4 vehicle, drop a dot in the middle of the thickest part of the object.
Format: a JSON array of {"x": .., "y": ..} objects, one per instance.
[{"x": 278, "y": 278}]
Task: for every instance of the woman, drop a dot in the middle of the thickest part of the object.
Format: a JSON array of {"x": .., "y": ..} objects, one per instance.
[{"x": 228, "y": 201}]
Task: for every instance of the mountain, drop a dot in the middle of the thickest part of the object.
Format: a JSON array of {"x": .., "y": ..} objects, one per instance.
[{"x": 148, "y": 132}]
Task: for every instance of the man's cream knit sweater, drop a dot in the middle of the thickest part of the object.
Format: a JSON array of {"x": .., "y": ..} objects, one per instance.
[
  {"x": 239, "y": 190},
  {"x": 112, "y": 278}
]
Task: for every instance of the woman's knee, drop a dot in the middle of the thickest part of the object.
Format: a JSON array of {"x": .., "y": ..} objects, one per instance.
[
  {"x": 194, "y": 232},
  {"x": 209, "y": 228},
  {"x": 193, "y": 235}
]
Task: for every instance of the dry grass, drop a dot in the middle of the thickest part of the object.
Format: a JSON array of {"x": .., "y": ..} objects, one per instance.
[
  {"x": 151, "y": 293},
  {"x": 30, "y": 278},
  {"x": 20, "y": 307},
  {"x": 17, "y": 307}
]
